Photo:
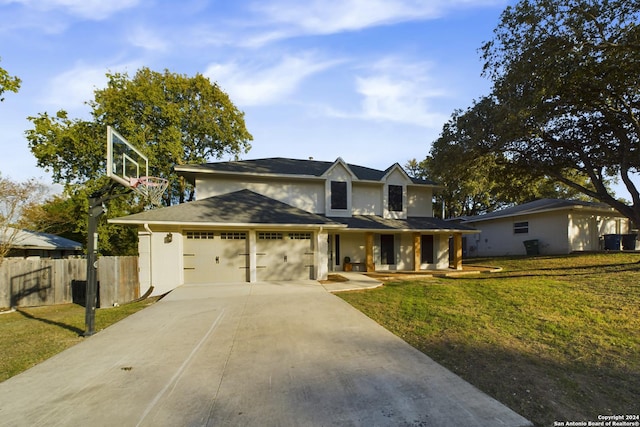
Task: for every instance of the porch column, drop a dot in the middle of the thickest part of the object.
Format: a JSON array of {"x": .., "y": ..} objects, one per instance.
[
  {"x": 368, "y": 248},
  {"x": 417, "y": 251},
  {"x": 457, "y": 251}
]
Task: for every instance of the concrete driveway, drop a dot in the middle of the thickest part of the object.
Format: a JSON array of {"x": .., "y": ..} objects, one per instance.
[{"x": 266, "y": 354}]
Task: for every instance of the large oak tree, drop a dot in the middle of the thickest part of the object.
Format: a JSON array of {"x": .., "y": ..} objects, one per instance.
[
  {"x": 173, "y": 119},
  {"x": 566, "y": 94}
]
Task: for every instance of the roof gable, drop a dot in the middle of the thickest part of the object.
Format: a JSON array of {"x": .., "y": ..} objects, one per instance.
[
  {"x": 396, "y": 168},
  {"x": 337, "y": 164}
]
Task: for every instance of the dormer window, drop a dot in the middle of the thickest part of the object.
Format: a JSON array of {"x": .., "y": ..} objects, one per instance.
[
  {"x": 338, "y": 195},
  {"x": 395, "y": 198}
]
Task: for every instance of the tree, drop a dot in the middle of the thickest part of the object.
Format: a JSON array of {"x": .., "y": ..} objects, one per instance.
[
  {"x": 15, "y": 198},
  {"x": 8, "y": 83},
  {"x": 566, "y": 89},
  {"x": 477, "y": 180},
  {"x": 173, "y": 119}
]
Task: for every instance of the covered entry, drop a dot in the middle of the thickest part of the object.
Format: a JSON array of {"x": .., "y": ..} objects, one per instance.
[
  {"x": 284, "y": 256},
  {"x": 215, "y": 256}
]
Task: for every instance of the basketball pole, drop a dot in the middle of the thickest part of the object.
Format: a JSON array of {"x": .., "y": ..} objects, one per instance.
[{"x": 97, "y": 208}]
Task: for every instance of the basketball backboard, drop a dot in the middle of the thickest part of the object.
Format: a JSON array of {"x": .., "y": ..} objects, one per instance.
[{"x": 125, "y": 164}]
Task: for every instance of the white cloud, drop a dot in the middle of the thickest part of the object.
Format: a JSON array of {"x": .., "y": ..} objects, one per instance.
[
  {"x": 89, "y": 9},
  {"x": 334, "y": 16},
  {"x": 261, "y": 84},
  {"x": 71, "y": 89},
  {"x": 147, "y": 39},
  {"x": 397, "y": 91}
]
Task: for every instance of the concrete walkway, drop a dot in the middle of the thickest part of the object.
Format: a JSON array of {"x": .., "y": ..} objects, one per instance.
[{"x": 267, "y": 354}]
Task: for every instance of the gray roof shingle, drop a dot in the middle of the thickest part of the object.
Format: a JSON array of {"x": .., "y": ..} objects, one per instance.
[
  {"x": 374, "y": 222},
  {"x": 285, "y": 166},
  {"x": 240, "y": 207},
  {"x": 541, "y": 205},
  {"x": 27, "y": 239}
]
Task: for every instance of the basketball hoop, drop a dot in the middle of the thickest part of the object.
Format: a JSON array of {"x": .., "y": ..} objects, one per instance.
[{"x": 151, "y": 188}]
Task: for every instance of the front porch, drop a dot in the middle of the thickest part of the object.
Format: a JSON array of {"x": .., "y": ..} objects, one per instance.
[{"x": 400, "y": 251}]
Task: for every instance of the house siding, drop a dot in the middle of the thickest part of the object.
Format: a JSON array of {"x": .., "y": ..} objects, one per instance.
[
  {"x": 557, "y": 232},
  {"x": 367, "y": 199},
  {"x": 419, "y": 201},
  {"x": 306, "y": 195},
  {"x": 497, "y": 237}
]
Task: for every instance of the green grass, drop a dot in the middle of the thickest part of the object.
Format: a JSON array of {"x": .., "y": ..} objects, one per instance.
[
  {"x": 33, "y": 334},
  {"x": 554, "y": 338}
]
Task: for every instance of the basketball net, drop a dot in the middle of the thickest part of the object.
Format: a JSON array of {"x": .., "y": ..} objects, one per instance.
[{"x": 151, "y": 188}]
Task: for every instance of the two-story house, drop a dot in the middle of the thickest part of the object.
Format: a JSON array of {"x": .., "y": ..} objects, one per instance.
[{"x": 288, "y": 219}]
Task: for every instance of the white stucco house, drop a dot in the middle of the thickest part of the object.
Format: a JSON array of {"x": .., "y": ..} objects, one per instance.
[
  {"x": 554, "y": 226},
  {"x": 288, "y": 219}
]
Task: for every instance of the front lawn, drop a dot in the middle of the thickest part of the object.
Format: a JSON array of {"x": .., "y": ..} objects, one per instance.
[
  {"x": 31, "y": 335},
  {"x": 554, "y": 338}
]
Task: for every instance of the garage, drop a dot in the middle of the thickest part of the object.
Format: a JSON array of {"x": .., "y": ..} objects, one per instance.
[
  {"x": 215, "y": 257},
  {"x": 284, "y": 256}
]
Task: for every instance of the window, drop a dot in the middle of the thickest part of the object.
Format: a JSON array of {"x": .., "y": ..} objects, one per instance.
[
  {"x": 269, "y": 236},
  {"x": 426, "y": 248},
  {"x": 196, "y": 235},
  {"x": 521, "y": 227},
  {"x": 395, "y": 198},
  {"x": 233, "y": 236},
  {"x": 338, "y": 195},
  {"x": 300, "y": 236},
  {"x": 387, "y": 251}
]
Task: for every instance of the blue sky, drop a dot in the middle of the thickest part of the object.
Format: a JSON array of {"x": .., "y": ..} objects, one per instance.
[{"x": 371, "y": 81}]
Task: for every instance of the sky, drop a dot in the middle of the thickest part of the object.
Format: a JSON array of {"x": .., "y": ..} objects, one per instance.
[{"x": 369, "y": 81}]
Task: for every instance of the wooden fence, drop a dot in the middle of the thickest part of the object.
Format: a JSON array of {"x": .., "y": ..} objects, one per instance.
[{"x": 44, "y": 281}]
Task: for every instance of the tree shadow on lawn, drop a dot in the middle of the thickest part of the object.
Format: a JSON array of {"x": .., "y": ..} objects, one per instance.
[
  {"x": 51, "y": 322},
  {"x": 537, "y": 387}
]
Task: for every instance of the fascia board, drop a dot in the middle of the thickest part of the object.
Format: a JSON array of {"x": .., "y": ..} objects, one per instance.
[
  {"x": 412, "y": 230},
  {"x": 223, "y": 224},
  {"x": 252, "y": 174}
]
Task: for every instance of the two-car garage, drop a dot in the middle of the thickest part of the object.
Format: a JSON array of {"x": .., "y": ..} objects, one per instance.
[
  {"x": 210, "y": 256},
  {"x": 231, "y": 256}
]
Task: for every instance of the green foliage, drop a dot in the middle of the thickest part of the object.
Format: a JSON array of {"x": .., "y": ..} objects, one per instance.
[
  {"x": 477, "y": 180},
  {"x": 567, "y": 90},
  {"x": 173, "y": 119},
  {"x": 8, "y": 83},
  {"x": 563, "y": 117}
]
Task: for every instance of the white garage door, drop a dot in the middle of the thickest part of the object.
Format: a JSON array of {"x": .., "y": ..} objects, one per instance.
[
  {"x": 284, "y": 256},
  {"x": 215, "y": 257}
]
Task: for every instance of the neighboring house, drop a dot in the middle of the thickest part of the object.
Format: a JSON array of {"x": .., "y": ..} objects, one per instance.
[
  {"x": 287, "y": 219},
  {"x": 554, "y": 226},
  {"x": 25, "y": 243}
]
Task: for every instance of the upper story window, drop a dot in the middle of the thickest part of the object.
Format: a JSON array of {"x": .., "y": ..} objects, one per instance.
[
  {"x": 521, "y": 227},
  {"x": 395, "y": 198},
  {"x": 338, "y": 195}
]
